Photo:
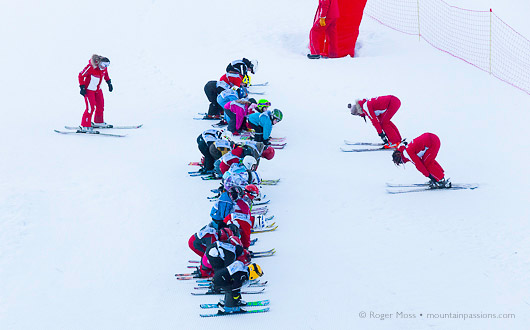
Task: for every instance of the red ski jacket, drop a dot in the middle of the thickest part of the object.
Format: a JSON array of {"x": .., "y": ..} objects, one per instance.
[
  {"x": 91, "y": 77},
  {"x": 328, "y": 9},
  {"x": 417, "y": 151},
  {"x": 375, "y": 107},
  {"x": 232, "y": 79}
]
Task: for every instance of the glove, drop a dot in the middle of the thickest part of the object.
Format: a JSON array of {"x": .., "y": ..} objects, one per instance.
[
  {"x": 110, "y": 85},
  {"x": 322, "y": 21},
  {"x": 83, "y": 90},
  {"x": 383, "y": 137}
]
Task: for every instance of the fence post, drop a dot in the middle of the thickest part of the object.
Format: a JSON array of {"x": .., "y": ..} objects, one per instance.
[
  {"x": 419, "y": 32},
  {"x": 491, "y": 14}
]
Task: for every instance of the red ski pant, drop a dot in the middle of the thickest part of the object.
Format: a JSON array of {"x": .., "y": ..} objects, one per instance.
[
  {"x": 429, "y": 158},
  {"x": 391, "y": 131},
  {"x": 94, "y": 102},
  {"x": 196, "y": 246},
  {"x": 319, "y": 36}
]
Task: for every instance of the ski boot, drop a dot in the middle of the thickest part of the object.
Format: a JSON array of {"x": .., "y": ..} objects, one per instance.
[
  {"x": 88, "y": 130},
  {"x": 442, "y": 184},
  {"x": 390, "y": 145},
  {"x": 240, "y": 303},
  {"x": 101, "y": 125},
  {"x": 197, "y": 272},
  {"x": 313, "y": 56},
  {"x": 205, "y": 171},
  {"x": 230, "y": 310}
]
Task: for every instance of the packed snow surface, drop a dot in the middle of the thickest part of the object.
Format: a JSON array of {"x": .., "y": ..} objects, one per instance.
[{"x": 92, "y": 229}]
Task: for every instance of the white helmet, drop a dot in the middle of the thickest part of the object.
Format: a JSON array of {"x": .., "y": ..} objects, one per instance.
[
  {"x": 250, "y": 163},
  {"x": 253, "y": 66},
  {"x": 227, "y": 135}
]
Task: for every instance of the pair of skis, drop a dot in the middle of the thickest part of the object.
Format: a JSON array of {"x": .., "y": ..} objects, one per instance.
[
  {"x": 259, "y": 303},
  {"x": 257, "y": 93},
  {"x": 245, "y": 304},
  {"x": 241, "y": 311},
  {"x": 352, "y": 146},
  {"x": 418, "y": 187},
  {"x": 263, "y": 229},
  {"x": 270, "y": 182},
  {"x": 76, "y": 130},
  {"x": 206, "y": 286}
]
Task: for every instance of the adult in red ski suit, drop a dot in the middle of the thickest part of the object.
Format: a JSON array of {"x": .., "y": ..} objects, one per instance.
[
  {"x": 422, "y": 152},
  {"x": 90, "y": 81},
  {"x": 380, "y": 110},
  {"x": 323, "y": 34}
]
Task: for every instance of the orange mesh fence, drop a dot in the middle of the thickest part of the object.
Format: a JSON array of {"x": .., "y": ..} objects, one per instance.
[{"x": 479, "y": 38}]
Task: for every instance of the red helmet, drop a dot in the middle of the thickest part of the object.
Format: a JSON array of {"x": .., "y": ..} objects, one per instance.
[
  {"x": 268, "y": 153},
  {"x": 234, "y": 240},
  {"x": 251, "y": 191},
  {"x": 224, "y": 234}
]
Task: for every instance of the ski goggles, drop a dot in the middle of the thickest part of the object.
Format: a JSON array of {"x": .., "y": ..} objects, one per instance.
[
  {"x": 103, "y": 65},
  {"x": 264, "y": 104}
]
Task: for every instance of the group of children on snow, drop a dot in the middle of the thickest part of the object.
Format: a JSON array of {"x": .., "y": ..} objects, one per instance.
[
  {"x": 421, "y": 151},
  {"x": 229, "y": 100},
  {"x": 223, "y": 244}
]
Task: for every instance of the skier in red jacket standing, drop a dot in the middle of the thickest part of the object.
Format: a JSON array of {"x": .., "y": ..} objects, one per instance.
[
  {"x": 324, "y": 30},
  {"x": 90, "y": 81},
  {"x": 380, "y": 110},
  {"x": 422, "y": 153}
]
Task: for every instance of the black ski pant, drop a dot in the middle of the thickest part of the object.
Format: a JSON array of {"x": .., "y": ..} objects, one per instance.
[
  {"x": 211, "y": 91},
  {"x": 232, "y": 123},
  {"x": 204, "y": 148},
  {"x": 231, "y": 284},
  {"x": 258, "y": 132}
]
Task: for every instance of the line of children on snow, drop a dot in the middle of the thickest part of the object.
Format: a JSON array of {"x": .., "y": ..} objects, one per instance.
[
  {"x": 421, "y": 151},
  {"x": 223, "y": 244}
]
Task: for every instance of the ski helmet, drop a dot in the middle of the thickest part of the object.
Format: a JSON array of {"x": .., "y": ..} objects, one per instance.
[
  {"x": 227, "y": 135},
  {"x": 234, "y": 240},
  {"x": 224, "y": 234},
  {"x": 268, "y": 153},
  {"x": 103, "y": 63},
  {"x": 254, "y": 271},
  {"x": 252, "y": 191},
  {"x": 355, "y": 108},
  {"x": 250, "y": 163},
  {"x": 242, "y": 92},
  {"x": 253, "y": 67},
  {"x": 262, "y": 104},
  {"x": 277, "y": 114},
  {"x": 397, "y": 157}
]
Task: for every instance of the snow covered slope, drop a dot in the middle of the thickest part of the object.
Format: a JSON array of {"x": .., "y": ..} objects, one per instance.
[{"x": 92, "y": 229}]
